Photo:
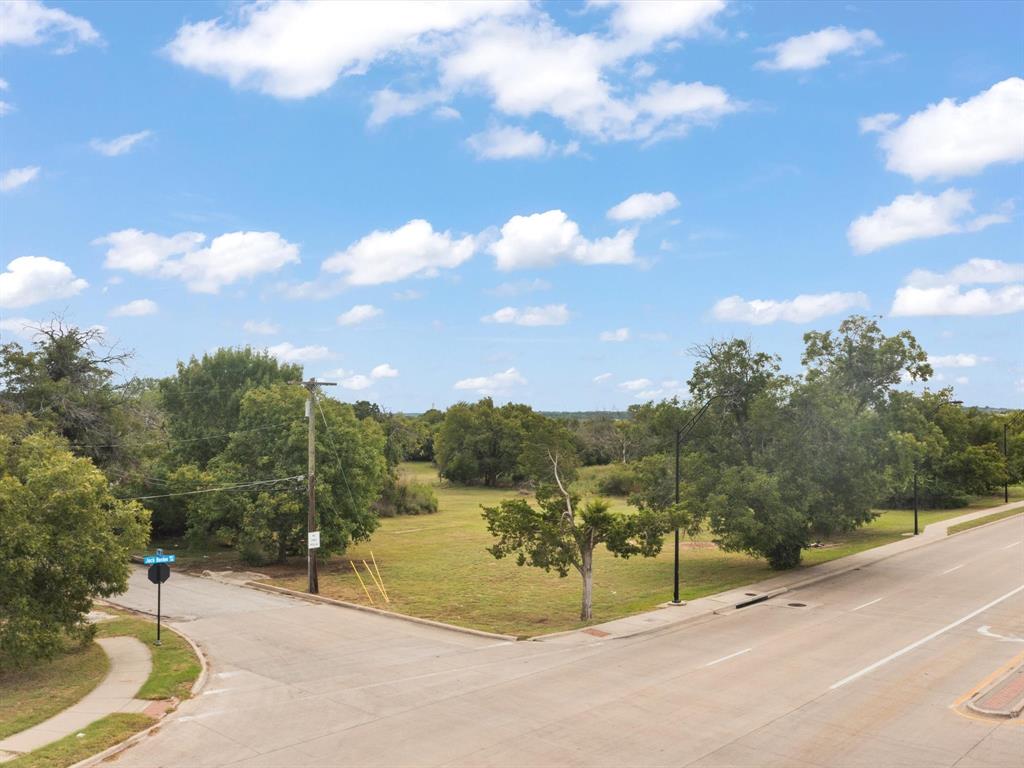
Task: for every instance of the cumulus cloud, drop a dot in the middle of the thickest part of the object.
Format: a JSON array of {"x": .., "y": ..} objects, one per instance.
[
  {"x": 287, "y": 352},
  {"x": 227, "y": 259},
  {"x": 620, "y": 334},
  {"x": 136, "y": 308},
  {"x": 551, "y": 314},
  {"x": 20, "y": 327},
  {"x": 635, "y": 385},
  {"x": 121, "y": 145},
  {"x": 879, "y": 123},
  {"x": 930, "y": 293},
  {"x": 487, "y": 385},
  {"x": 17, "y": 177},
  {"x": 961, "y": 360},
  {"x": 801, "y": 309},
  {"x": 356, "y": 381},
  {"x": 262, "y": 327},
  {"x": 29, "y": 22},
  {"x": 814, "y": 49},
  {"x": 33, "y": 279},
  {"x": 643, "y": 205},
  {"x": 916, "y": 216},
  {"x": 413, "y": 249},
  {"x": 360, "y": 313},
  {"x": 507, "y": 142},
  {"x": 383, "y": 371},
  {"x": 950, "y": 139},
  {"x": 514, "y": 54},
  {"x": 543, "y": 239}
]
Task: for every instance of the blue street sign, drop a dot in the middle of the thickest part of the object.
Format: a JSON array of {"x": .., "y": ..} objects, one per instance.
[{"x": 151, "y": 559}]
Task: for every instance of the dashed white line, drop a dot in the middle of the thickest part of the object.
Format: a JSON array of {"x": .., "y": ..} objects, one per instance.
[
  {"x": 872, "y": 602},
  {"x": 923, "y": 640},
  {"x": 1010, "y": 546},
  {"x": 954, "y": 568},
  {"x": 726, "y": 658}
]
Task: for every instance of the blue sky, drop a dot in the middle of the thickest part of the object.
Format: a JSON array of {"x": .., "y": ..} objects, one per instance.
[{"x": 548, "y": 203}]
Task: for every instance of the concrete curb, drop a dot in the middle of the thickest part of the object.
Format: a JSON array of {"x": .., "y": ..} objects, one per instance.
[
  {"x": 985, "y": 525},
  {"x": 367, "y": 609},
  {"x": 1013, "y": 711},
  {"x": 135, "y": 738}
]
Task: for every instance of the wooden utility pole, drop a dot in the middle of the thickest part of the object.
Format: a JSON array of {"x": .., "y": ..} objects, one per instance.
[{"x": 313, "y": 537}]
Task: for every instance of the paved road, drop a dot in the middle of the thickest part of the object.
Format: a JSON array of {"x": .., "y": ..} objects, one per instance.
[{"x": 867, "y": 672}]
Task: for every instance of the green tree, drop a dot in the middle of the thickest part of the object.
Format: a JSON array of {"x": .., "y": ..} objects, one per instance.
[
  {"x": 479, "y": 443},
  {"x": 268, "y": 522},
  {"x": 66, "y": 539},
  {"x": 203, "y": 398}
]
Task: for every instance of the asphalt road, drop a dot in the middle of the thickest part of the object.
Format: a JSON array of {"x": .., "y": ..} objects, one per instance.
[{"x": 867, "y": 672}]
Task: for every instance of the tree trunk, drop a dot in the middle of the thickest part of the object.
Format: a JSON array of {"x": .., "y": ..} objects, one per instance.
[{"x": 587, "y": 572}]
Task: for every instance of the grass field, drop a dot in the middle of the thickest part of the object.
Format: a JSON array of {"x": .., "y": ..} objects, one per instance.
[
  {"x": 37, "y": 694},
  {"x": 983, "y": 521},
  {"x": 438, "y": 567}
]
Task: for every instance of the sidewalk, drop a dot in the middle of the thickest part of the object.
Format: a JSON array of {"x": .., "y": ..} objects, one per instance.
[
  {"x": 671, "y": 615},
  {"x": 130, "y": 666}
]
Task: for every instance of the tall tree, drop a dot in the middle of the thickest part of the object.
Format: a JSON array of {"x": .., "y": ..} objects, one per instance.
[{"x": 479, "y": 443}]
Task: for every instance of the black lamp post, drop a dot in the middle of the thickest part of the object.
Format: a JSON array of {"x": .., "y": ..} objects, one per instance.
[
  {"x": 933, "y": 412},
  {"x": 682, "y": 432}
]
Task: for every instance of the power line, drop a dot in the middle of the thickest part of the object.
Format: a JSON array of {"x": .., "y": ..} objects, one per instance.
[
  {"x": 236, "y": 487},
  {"x": 184, "y": 439},
  {"x": 334, "y": 448}
]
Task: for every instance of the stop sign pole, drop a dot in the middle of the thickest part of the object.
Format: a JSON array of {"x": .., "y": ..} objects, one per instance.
[{"x": 159, "y": 572}]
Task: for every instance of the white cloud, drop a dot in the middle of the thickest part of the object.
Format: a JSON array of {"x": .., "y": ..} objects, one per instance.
[
  {"x": 620, "y": 334},
  {"x": 517, "y": 287},
  {"x": 542, "y": 239},
  {"x": 813, "y": 50},
  {"x": 506, "y": 142},
  {"x": 447, "y": 113},
  {"x": 20, "y": 327},
  {"x": 298, "y": 49},
  {"x": 383, "y": 371},
  {"x": 4, "y": 85},
  {"x": 262, "y": 327},
  {"x": 360, "y": 313},
  {"x": 497, "y": 382},
  {"x": 356, "y": 382},
  {"x": 5, "y": 108},
  {"x": 961, "y": 360},
  {"x": 879, "y": 123},
  {"x": 287, "y": 352},
  {"x": 635, "y": 385},
  {"x": 228, "y": 258},
  {"x": 602, "y": 377},
  {"x": 29, "y": 22},
  {"x": 949, "y": 139},
  {"x": 16, "y": 177},
  {"x": 413, "y": 249},
  {"x": 136, "y": 308},
  {"x": 801, "y": 309},
  {"x": 121, "y": 145},
  {"x": 643, "y": 205},
  {"x": 409, "y": 294},
  {"x": 929, "y": 293},
  {"x": 916, "y": 216},
  {"x": 551, "y": 314},
  {"x": 511, "y": 52},
  {"x": 32, "y": 279}
]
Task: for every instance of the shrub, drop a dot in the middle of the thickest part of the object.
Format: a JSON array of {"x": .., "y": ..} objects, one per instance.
[
  {"x": 405, "y": 498},
  {"x": 617, "y": 480}
]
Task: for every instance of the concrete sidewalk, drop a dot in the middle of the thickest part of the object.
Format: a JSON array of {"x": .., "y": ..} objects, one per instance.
[
  {"x": 130, "y": 665},
  {"x": 672, "y": 615}
]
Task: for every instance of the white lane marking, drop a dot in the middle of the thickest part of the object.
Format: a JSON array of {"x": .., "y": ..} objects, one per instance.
[
  {"x": 726, "y": 658},
  {"x": 232, "y": 673},
  {"x": 954, "y": 568},
  {"x": 865, "y": 605},
  {"x": 986, "y": 631},
  {"x": 923, "y": 640},
  {"x": 214, "y": 691},
  {"x": 1010, "y": 546}
]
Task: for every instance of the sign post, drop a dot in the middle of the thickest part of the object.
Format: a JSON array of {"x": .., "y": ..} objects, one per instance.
[{"x": 159, "y": 572}]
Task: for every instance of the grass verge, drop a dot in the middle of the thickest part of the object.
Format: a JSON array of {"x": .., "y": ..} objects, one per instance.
[
  {"x": 34, "y": 694},
  {"x": 983, "y": 521},
  {"x": 96, "y": 737}
]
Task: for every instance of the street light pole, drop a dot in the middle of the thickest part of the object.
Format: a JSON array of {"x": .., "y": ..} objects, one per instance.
[
  {"x": 915, "y": 498},
  {"x": 1006, "y": 460},
  {"x": 675, "y": 582}
]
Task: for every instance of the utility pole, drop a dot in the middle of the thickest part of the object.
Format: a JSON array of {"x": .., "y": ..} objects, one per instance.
[{"x": 313, "y": 537}]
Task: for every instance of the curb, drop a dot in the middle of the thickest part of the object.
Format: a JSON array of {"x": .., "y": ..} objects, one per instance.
[
  {"x": 367, "y": 609},
  {"x": 135, "y": 738},
  {"x": 1012, "y": 711},
  {"x": 1016, "y": 512}
]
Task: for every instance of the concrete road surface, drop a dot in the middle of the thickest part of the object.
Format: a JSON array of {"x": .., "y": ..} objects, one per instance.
[{"x": 867, "y": 671}]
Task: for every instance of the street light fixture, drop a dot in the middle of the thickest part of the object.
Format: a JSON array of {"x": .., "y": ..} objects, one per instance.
[{"x": 916, "y": 468}]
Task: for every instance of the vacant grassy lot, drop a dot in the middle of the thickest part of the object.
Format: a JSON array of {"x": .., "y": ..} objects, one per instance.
[{"x": 438, "y": 567}]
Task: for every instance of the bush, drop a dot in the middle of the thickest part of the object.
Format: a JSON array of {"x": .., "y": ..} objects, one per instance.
[
  {"x": 404, "y": 498},
  {"x": 617, "y": 480}
]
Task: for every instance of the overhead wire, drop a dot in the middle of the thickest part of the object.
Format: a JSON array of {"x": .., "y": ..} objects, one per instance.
[
  {"x": 235, "y": 487},
  {"x": 337, "y": 455}
]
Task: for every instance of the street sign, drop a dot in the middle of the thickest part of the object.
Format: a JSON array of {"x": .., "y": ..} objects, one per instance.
[
  {"x": 159, "y": 573},
  {"x": 314, "y": 539},
  {"x": 151, "y": 559}
]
